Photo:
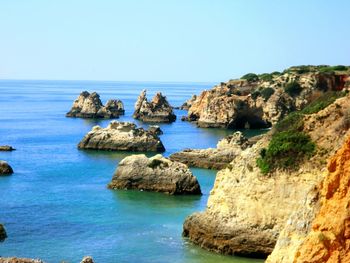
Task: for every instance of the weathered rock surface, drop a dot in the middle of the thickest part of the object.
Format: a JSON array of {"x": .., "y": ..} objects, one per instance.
[
  {"x": 90, "y": 106},
  {"x": 6, "y": 148},
  {"x": 20, "y": 260},
  {"x": 261, "y": 103},
  {"x": 121, "y": 136},
  {"x": 158, "y": 110},
  {"x": 87, "y": 259},
  {"x": 3, "y": 234},
  {"x": 247, "y": 210},
  {"x": 155, "y": 129},
  {"x": 214, "y": 158},
  {"x": 157, "y": 174},
  {"x": 319, "y": 231},
  {"x": 187, "y": 104},
  {"x": 5, "y": 168}
]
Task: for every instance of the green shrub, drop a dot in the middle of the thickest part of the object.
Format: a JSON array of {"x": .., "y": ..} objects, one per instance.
[
  {"x": 251, "y": 77},
  {"x": 266, "y": 76},
  {"x": 292, "y": 122},
  {"x": 255, "y": 94},
  {"x": 333, "y": 68},
  {"x": 293, "y": 88},
  {"x": 322, "y": 102},
  {"x": 286, "y": 150},
  {"x": 267, "y": 93}
]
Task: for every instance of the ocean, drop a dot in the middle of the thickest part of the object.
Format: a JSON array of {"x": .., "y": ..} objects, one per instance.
[{"x": 56, "y": 205}]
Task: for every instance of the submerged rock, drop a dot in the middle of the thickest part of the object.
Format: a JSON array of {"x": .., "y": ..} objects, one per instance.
[
  {"x": 5, "y": 168},
  {"x": 157, "y": 174},
  {"x": 247, "y": 210},
  {"x": 214, "y": 158},
  {"x": 6, "y": 148},
  {"x": 3, "y": 234},
  {"x": 121, "y": 136},
  {"x": 90, "y": 106},
  {"x": 158, "y": 110}
]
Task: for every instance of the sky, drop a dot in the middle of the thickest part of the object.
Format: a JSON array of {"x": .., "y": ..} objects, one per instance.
[{"x": 168, "y": 40}]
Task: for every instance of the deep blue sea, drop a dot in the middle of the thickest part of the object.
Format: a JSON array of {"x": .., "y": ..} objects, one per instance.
[{"x": 56, "y": 205}]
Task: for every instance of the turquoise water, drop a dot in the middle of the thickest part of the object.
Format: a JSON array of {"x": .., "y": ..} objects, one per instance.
[{"x": 56, "y": 205}]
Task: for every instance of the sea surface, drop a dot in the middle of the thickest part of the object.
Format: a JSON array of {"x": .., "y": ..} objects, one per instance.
[{"x": 56, "y": 205}]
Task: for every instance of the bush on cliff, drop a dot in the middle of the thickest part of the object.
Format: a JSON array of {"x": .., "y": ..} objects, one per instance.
[
  {"x": 250, "y": 77},
  {"x": 286, "y": 149},
  {"x": 293, "y": 88}
]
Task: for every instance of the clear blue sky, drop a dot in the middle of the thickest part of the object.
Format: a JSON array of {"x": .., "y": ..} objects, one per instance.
[{"x": 168, "y": 40}]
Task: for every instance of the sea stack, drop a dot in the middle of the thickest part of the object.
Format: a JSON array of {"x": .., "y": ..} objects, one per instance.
[
  {"x": 158, "y": 110},
  {"x": 90, "y": 106},
  {"x": 122, "y": 136},
  {"x": 5, "y": 168},
  {"x": 156, "y": 174}
]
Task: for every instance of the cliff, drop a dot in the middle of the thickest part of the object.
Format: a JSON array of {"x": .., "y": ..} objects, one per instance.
[
  {"x": 247, "y": 209},
  {"x": 258, "y": 101}
]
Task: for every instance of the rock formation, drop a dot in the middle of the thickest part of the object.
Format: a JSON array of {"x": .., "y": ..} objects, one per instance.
[
  {"x": 155, "y": 129},
  {"x": 5, "y": 168},
  {"x": 247, "y": 210},
  {"x": 187, "y": 104},
  {"x": 87, "y": 259},
  {"x": 157, "y": 174},
  {"x": 214, "y": 158},
  {"x": 20, "y": 260},
  {"x": 265, "y": 100},
  {"x": 90, "y": 106},
  {"x": 6, "y": 148},
  {"x": 121, "y": 136},
  {"x": 158, "y": 110},
  {"x": 3, "y": 234},
  {"x": 319, "y": 231}
]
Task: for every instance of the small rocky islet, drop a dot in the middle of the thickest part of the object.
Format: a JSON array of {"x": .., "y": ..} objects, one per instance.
[{"x": 5, "y": 168}]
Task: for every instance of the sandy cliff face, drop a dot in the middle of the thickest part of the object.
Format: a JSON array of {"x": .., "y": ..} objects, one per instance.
[
  {"x": 260, "y": 103},
  {"x": 327, "y": 237},
  {"x": 246, "y": 210}
]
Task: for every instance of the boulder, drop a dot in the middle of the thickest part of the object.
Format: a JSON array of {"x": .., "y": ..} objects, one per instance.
[
  {"x": 6, "y": 148},
  {"x": 158, "y": 110},
  {"x": 87, "y": 259},
  {"x": 214, "y": 158},
  {"x": 3, "y": 234},
  {"x": 90, "y": 106},
  {"x": 157, "y": 174},
  {"x": 5, "y": 168},
  {"x": 20, "y": 260},
  {"x": 121, "y": 136},
  {"x": 155, "y": 129}
]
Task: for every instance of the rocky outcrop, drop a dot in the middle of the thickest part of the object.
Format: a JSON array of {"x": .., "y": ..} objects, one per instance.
[
  {"x": 87, "y": 259},
  {"x": 3, "y": 234},
  {"x": 158, "y": 110},
  {"x": 214, "y": 158},
  {"x": 157, "y": 174},
  {"x": 188, "y": 103},
  {"x": 263, "y": 101},
  {"x": 319, "y": 231},
  {"x": 20, "y": 260},
  {"x": 6, "y": 148},
  {"x": 121, "y": 136},
  {"x": 90, "y": 106},
  {"x": 155, "y": 129},
  {"x": 5, "y": 168},
  {"x": 247, "y": 210}
]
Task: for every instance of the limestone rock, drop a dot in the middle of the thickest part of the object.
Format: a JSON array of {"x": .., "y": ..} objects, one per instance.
[
  {"x": 327, "y": 235},
  {"x": 213, "y": 158},
  {"x": 187, "y": 104},
  {"x": 155, "y": 129},
  {"x": 158, "y": 110},
  {"x": 20, "y": 260},
  {"x": 3, "y": 234},
  {"x": 5, "y": 168},
  {"x": 90, "y": 106},
  {"x": 247, "y": 210},
  {"x": 121, "y": 136},
  {"x": 87, "y": 259},
  {"x": 261, "y": 103},
  {"x": 6, "y": 148},
  {"x": 157, "y": 174}
]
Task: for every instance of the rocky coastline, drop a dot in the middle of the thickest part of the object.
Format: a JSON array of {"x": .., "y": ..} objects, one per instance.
[
  {"x": 157, "y": 174},
  {"x": 90, "y": 106},
  {"x": 122, "y": 136}
]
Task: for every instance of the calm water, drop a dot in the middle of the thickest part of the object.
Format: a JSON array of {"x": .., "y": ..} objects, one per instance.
[{"x": 56, "y": 205}]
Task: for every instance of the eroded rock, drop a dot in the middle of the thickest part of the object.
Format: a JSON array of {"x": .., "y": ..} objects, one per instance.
[
  {"x": 90, "y": 106},
  {"x": 5, "y": 168},
  {"x": 6, "y": 148},
  {"x": 121, "y": 136},
  {"x": 157, "y": 174},
  {"x": 20, "y": 260},
  {"x": 3, "y": 234},
  {"x": 87, "y": 259},
  {"x": 158, "y": 110}
]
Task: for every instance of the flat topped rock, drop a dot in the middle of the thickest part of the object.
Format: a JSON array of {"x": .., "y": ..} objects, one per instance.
[
  {"x": 6, "y": 148},
  {"x": 122, "y": 136},
  {"x": 20, "y": 260},
  {"x": 90, "y": 106},
  {"x": 158, "y": 110},
  {"x": 157, "y": 174},
  {"x": 5, "y": 168}
]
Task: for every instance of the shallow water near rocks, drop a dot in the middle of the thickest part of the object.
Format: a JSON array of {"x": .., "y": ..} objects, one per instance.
[{"x": 56, "y": 205}]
